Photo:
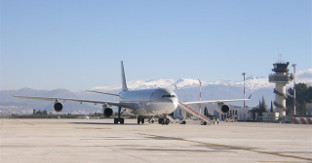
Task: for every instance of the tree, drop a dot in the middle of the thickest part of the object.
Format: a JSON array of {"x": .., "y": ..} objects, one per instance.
[
  {"x": 207, "y": 114},
  {"x": 260, "y": 108},
  {"x": 271, "y": 108},
  {"x": 303, "y": 96}
]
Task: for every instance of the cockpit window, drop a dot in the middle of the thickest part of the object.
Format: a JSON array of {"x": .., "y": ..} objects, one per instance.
[{"x": 168, "y": 96}]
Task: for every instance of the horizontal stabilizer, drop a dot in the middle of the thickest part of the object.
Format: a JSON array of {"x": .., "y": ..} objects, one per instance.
[{"x": 111, "y": 94}]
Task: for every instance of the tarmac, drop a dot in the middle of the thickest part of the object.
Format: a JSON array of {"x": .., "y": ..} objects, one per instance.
[{"x": 98, "y": 140}]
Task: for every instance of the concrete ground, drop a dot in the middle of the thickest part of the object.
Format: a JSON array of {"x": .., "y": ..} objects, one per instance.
[{"x": 72, "y": 140}]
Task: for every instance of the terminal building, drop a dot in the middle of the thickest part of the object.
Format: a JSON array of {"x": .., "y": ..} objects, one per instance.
[{"x": 211, "y": 110}]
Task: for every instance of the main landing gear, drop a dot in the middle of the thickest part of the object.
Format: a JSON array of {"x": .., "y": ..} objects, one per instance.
[
  {"x": 163, "y": 121},
  {"x": 119, "y": 119},
  {"x": 140, "y": 120}
]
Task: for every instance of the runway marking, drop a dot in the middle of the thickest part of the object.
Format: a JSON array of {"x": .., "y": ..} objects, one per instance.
[
  {"x": 177, "y": 150},
  {"x": 211, "y": 145},
  {"x": 112, "y": 139},
  {"x": 115, "y": 138},
  {"x": 131, "y": 155},
  {"x": 25, "y": 122}
]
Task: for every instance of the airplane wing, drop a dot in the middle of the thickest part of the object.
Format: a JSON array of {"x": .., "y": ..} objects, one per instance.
[
  {"x": 213, "y": 101},
  {"x": 120, "y": 104},
  {"x": 197, "y": 114}
]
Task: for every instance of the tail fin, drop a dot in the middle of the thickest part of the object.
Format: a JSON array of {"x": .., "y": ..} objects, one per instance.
[{"x": 123, "y": 78}]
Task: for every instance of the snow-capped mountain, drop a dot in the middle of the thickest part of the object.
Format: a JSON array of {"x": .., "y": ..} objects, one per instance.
[
  {"x": 253, "y": 83},
  {"x": 187, "y": 90}
]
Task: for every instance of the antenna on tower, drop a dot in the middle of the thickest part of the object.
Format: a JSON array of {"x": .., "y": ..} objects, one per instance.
[{"x": 280, "y": 57}]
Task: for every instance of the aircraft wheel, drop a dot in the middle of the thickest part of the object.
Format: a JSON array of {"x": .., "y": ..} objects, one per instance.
[
  {"x": 203, "y": 123},
  {"x": 167, "y": 121},
  {"x": 115, "y": 120},
  {"x": 122, "y": 121},
  {"x": 142, "y": 120},
  {"x": 160, "y": 120},
  {"x": 164, "y": 121},
  {"x": 139, "y": 120}
]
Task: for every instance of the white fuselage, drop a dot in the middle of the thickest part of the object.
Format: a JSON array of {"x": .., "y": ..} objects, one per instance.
[{"x": 151, "y": 102}]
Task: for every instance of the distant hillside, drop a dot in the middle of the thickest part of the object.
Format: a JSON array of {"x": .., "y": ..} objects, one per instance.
[{"x": 188, "y": 90}]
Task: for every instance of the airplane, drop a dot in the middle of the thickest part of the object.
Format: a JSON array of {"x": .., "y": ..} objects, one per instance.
[{"x": 142, "y": 103}]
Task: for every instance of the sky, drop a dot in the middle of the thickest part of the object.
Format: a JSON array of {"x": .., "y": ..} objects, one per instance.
[{"x": 78, "y": 44}]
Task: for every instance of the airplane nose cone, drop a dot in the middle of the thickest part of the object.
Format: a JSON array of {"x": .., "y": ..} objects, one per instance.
[{"x": 174, "y": 102}]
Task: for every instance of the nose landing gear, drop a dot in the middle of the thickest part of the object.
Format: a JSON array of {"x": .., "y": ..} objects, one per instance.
[
  {"x": 120, "y": 120},
  {"x": 151, "y": 119}
]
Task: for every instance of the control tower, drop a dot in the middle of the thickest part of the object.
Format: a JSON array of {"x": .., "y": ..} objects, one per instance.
[{"x": 281, "y": 77}]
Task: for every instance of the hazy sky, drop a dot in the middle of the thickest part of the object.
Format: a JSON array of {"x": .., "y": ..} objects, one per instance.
[{"x": 78, "y": 44}]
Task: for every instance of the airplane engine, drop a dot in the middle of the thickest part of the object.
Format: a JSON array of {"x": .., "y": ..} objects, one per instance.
[
  {"x": 58, "y": 106},
  {"x": 223, "y": 108},
  {"x": 108, "y": 112}
]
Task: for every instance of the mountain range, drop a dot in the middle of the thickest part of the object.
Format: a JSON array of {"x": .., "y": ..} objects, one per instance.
[{"x": 186, "y": 89}]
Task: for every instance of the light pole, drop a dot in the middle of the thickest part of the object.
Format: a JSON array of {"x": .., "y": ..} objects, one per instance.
[
  {"x": 244, "y": 74},
  {"x": 295, "y": 105}
]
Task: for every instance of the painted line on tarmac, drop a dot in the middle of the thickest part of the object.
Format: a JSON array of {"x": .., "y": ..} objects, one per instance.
[{"x": 211, "y": 145}]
